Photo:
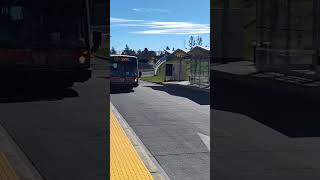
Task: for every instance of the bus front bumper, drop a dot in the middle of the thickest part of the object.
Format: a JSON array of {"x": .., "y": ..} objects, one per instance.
[{"x": 124, "y": 84}]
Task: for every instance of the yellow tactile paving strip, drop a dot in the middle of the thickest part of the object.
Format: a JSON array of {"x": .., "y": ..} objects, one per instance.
[
  {"x": 125, "y": 162},
  {"x": 6, "y": 170}
]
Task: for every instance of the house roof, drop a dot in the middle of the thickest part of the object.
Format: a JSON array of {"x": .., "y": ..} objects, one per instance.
[
  {"x": 197, "y": 51},
  {"x": 203, "y": 47},
  {"x": 169, "y": 51},
  {"x": 179, "y": 53},
  {"x": 200, "y": 51},
  {"x": 185, "y": 50}
]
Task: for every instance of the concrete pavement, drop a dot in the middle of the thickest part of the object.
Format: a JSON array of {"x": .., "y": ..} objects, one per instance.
[
  {"x": 168, "y": 120},
  {"x": 262, "y": 133},
  {"x": 187, "y": 84},
  {"x": 63, "y": 133}
]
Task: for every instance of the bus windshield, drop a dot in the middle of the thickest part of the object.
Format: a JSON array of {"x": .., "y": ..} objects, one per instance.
[{"x": 120, "y": 68}]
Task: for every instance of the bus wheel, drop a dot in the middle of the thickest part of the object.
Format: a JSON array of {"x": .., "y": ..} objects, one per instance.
[
  {"x": 63, "y": 85},
  {"x": 129, "y": 88}
]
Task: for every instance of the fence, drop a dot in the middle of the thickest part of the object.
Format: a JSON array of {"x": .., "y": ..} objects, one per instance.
[
  {"x": 287, "y": 38},
  {"x": 199, "y": 71}
]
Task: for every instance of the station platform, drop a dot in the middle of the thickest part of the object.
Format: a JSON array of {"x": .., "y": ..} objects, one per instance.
[
  {"x": 6, "y": 170},
  {"x": 125, "y": 162}
]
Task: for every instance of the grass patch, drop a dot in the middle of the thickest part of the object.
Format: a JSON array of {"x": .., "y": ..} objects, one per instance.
[
  {"x": 160, "y": 77},
  {"x": 154, "y": 79}
]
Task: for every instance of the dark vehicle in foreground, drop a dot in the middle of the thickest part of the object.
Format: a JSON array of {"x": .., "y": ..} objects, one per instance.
[
  {"x": 124, "y": 71},
  {"x": 44, "y": 41}
]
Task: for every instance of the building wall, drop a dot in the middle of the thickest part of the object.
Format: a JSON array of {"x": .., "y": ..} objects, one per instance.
[
  {"x": 285, "y": 33},
  {"x": 100, "y": 21},
  {"x": 227, "y": 38}
]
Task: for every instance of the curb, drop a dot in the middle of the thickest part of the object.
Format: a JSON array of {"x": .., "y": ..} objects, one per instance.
[
  {"x": 182, "y": 86},
  {"x": 188, "y": 87},
  {"x": 149, "y": 160},
  {"x": 311, "y": 92},
  {"x": 21, "y": 164}
]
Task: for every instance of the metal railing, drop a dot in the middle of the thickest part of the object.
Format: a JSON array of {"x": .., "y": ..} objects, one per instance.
[
  {"x": 297, "y": 62},
  {"x": 159, "y": 63},
  {"x": 200, "y": 72}
]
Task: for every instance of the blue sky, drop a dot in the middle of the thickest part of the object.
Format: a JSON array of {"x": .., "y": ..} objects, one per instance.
[{"x": 155, "y": 24}]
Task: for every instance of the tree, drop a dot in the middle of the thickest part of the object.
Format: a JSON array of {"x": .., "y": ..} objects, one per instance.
[
  {"x": 113, "y": 51},
  {"x": 143, "y": 56},
  {"x": 167, "y": 48},
  {"x": 128, "y": 51},
  {"x": 132, "y": 52},
  {"x": 139, "y": 53},
  {"x": 146, "y": 55},
  {"x": 199, "y": 41},
  {"x": 192, "y": 42},
  {"x": 152, "y": 56},
  {"x": 145, "y": 51},
  {"x": 127, "y": 47}
]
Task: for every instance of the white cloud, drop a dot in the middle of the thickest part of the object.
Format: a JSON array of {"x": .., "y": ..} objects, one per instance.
[
  {"x": 149, "y": 10},
  {"x": 136, "y": 9},
  {"x": 174, "y": 28},
  {"x": 162, "y": 27},
  {"x": 122, "y": 21}
]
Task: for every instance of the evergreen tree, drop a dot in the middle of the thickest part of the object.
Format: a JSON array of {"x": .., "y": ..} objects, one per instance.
[
  {"x": 192, "y": 42},
  {"x": 199, "y": 41},
  {"x": 113, "y": 51},
  {"x": 139, "y": 53},
  {"x": 126, "y": 50}
]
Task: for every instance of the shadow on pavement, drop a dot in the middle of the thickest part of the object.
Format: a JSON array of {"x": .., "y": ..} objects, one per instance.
[
  {"x": 120, "y": 91},
  {"x": 31, "y": 93},
  {"x": 200, "y": 97},
  {"x": 290, "y": 114}
]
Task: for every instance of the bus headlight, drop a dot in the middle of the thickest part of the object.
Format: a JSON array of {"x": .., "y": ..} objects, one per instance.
[{"x": 82, "y": 59}]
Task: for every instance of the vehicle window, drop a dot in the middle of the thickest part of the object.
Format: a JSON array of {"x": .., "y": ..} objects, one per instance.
[
  {"x": 4, "y": 11},
  {"x": 16, "y": 13},
  {"x": 123, "y": 68}
]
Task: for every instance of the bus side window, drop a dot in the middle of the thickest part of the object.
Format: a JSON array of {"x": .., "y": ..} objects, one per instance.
[{"x": 16, "y": 13}]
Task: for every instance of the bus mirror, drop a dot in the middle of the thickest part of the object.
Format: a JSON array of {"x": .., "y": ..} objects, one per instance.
[{"x": 140, "y": 74}]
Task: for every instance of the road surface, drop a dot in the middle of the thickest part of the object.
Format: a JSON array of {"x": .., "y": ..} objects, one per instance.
[
  {"x": 63, "y": 133},
  {"x": 174, "y": 125},
  {"x": 263, "y": 134}
]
